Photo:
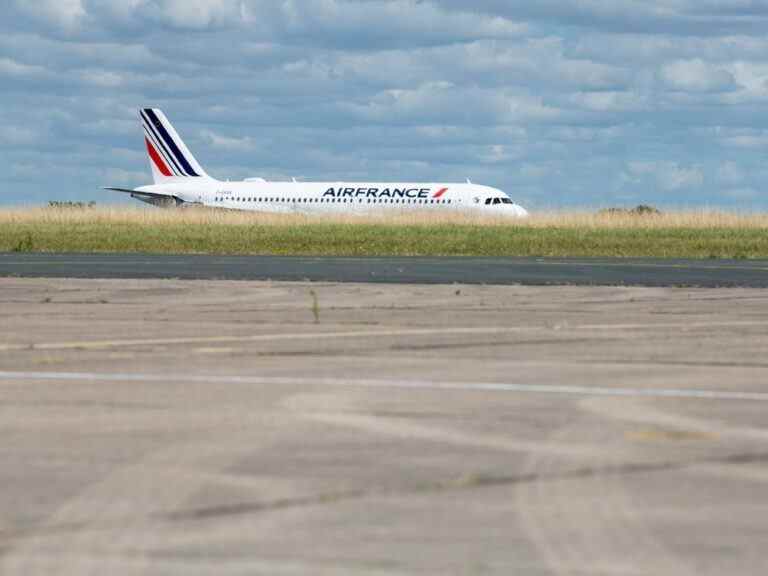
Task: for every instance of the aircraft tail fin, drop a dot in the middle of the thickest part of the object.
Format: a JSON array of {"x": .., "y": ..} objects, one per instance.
[{"x": 169, "y": 157}]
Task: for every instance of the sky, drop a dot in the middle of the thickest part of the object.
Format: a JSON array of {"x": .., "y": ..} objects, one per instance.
[{"x": 561, "y": 103}]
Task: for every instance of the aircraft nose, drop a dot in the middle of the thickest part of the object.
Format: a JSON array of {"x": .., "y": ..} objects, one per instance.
[{"x": 521, "y": 212}]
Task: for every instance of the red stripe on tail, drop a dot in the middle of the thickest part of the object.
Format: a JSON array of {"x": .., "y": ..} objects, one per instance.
[
  {"x": 439, "y": 193},
  {"x": 156, "y": 159}
]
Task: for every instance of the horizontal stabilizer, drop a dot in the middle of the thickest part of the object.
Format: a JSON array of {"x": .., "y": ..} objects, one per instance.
[
  {"x": 150, "y": 197},
  {"x": 126, "y": 190}
]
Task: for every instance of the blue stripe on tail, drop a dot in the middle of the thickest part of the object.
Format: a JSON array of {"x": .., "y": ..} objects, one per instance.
[
  {"x": 171, "y": 144},
  {"x": 155, "y": 137}
]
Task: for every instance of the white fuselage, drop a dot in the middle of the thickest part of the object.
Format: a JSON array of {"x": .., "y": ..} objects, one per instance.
[
  {"x": 180, "y": 179},
  {"x": 336, "y": 197}
]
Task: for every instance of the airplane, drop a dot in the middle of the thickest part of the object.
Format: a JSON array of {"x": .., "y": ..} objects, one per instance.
[{"x": 179, "y": 180}]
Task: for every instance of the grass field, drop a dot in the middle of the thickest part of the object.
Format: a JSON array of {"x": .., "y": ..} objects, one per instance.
[{"x": 674, "y": 235}]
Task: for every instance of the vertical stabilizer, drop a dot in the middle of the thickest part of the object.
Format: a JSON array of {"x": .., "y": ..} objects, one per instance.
[{"x": 169, "y": 157}]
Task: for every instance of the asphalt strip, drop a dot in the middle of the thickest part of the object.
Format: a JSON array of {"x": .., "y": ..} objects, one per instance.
[{"x": 394, "y": 270}]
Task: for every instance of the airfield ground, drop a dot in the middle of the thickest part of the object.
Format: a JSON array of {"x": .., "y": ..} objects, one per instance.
[{"x": 183, "y": 427}]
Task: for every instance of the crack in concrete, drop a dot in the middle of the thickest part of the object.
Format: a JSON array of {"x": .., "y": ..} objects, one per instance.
[{"x": 467, "y": 482}]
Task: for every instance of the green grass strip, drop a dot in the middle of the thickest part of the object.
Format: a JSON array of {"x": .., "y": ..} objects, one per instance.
[{"x": 366, "y": 239}]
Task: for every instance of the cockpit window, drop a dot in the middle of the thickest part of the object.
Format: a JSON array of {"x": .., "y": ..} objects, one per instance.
[{"x": 496, "y": 201}]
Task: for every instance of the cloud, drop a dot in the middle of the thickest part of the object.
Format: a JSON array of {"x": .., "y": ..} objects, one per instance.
[
  {"x": 752, "y": 78},
  {"x": 17, "y": 135},
  {"x": 65, "y": 15},
  {"x": 11, "y": 68},
  {"x": 741, "y": 193},
  {"x": 392, "y": 23},
  {"x": 245, "y": 144},
  {"x": 669, "y": 175},
  {"x": 347, "y": 23},
  {"x": 445, "y": 101},
  {"x": 696, "y": 76},
  {"x": 730, "y": 173},
  {"x": 102, "y": 78},
  {"x": 609, "y": 101},
  {"x": 123, "y": 178},
  {"x": 675, "y": 17},
  {"x": 745, "y": 138}
]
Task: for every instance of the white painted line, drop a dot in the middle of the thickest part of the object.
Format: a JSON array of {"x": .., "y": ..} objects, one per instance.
[
  {"x": 395, "y": 384},
  {"x": 310, "y": 335}
]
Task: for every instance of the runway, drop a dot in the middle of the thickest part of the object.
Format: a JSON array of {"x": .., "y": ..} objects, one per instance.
[
  {"x": 415, "y": 270},
  {"x": 177, "y": 427}
]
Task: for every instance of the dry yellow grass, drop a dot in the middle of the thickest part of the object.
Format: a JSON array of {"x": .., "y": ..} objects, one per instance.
[{"x": 198, "y": 216}]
